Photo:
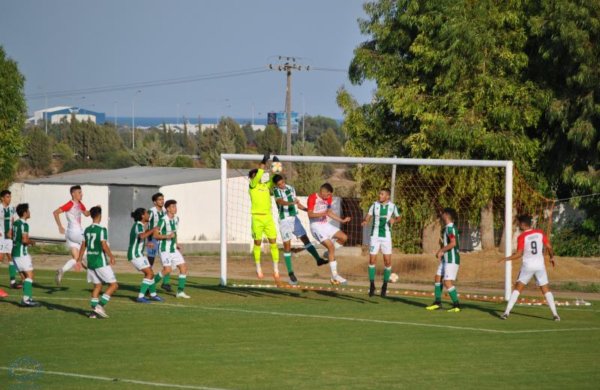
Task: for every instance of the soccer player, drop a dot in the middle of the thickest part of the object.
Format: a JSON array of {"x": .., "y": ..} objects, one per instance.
[
  {"x": 99, "y": 270},
  {"x": 170, "y": 254},
  {"x": 449, "y": 262},
  {"x": 156, "y": 213},
  {"x": 290, "y": 225},
  {"x": 262, "y": 219},
  {"x": 73, "y": 209},
  {"x": 384, "y": 214},
  {"x": 135, "y": 254},
  {"x": 20, "y": 256},
  {"x": 8, "y": 217},
  {"x": 530, "y": 247},
  {"x": 319, "y": 214}
]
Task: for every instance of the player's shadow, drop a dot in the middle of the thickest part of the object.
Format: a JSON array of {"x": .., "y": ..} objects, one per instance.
[
  {"x": 407, "y": 301},
  {"x": 345, "y": 297},
  {"x": 497, "y": 311},
  {"x": 49, "y": 306},
  {"x": 49, "y": 289}
]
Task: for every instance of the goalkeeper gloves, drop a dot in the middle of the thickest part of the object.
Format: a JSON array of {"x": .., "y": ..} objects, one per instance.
[
  {"x": 266, "y": 158},
  {"x": 275, "y": 159}
]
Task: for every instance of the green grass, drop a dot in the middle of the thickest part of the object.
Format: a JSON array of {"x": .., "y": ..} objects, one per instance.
[
  {"x": 49, "y": 249},
  {"x": 268, "y": 339}
]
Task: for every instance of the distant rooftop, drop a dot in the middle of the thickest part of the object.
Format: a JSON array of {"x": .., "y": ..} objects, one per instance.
[{"x": 136, "y": 176}]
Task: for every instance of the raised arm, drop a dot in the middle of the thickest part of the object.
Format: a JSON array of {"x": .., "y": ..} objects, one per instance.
[{"x": 261, "y": 169}]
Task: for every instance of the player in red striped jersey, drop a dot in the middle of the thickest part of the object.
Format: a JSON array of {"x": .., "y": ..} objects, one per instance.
[{"x": 530, "y": 246}]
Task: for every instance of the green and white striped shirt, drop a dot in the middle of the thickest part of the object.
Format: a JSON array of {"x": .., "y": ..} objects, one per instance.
[
  {"x": 94, "y": 236},
  {"x": 452, "y": 256},
  {"x": 288, "y": 194},
  {"x": 381, "y": 213},
  {"x": 168, "y": 226},
  {"x": 20, "y": 228},
  {"x": 8, "y": 215},
  {"x": 136, "y": 245},
  {"x": 155, "y": 216}
]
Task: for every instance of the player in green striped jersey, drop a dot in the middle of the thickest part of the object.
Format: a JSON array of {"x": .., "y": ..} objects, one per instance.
[
  {"x": 135, "y": 254},
  {"x": 170, "y": 254},
  {"x": 20, "y": 254},
  {"x": 382, "y": 214},
  {"x": 449, "y": 258},
  {"x": 157, "y": 212},
  {"x": 8, "y": 217},
  {"x": 290, "y": 225},
  {"x": 99, "y": 261}
]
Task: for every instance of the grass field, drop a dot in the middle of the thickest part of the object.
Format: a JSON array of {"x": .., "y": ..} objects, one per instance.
[{"x": 227, "y": 338}]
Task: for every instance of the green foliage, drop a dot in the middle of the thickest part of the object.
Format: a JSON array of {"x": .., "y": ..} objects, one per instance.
[
  {"x": 183, "y": 162},
  {"x": 315, "y": 126},
  {"x": 153, "y": 153},
  {"x": 226, "y": 137},
  {"x": 328, "y": 144},
  {"x": 575, "y": 286},
  {"x": 249, "y": 133},
  {"x": 575, "y": 241},
  {"x": 307, "y": 177},
  {"x": 12, "y": 117},
  {"x": 39, "y": 152},
  {"x": 269, "y": 140}
]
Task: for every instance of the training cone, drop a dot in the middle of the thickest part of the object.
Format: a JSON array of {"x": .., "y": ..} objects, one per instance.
[{"x": 3, "y": 294}]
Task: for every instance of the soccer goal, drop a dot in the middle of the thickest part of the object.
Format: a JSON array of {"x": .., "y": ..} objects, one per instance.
[{"x": 486, "y": 195}]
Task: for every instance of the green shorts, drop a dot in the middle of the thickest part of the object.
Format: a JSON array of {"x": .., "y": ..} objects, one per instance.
[{"x": 263, "y": 224}]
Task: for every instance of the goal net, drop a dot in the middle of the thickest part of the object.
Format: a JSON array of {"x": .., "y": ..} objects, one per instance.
[{"x": 421, "y": 188}]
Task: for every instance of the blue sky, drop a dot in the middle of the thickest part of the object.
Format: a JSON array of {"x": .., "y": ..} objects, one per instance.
[{"x": 78, "y": 44}]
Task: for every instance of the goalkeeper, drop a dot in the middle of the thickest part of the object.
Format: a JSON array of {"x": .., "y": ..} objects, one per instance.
[{"x": 262, "y": 218}]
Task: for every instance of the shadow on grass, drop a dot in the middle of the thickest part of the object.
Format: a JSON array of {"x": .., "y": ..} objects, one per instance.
[
  {"x": 254, "y": 292},
  {"x": 50, "y": 306},
  {"x": 49, "y": 289},
  {"x": 333, "y": 294},
  {"x": 407, "y": 301}
]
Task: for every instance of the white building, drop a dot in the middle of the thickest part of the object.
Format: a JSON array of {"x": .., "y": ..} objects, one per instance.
[{"x": 66, "y": 113}]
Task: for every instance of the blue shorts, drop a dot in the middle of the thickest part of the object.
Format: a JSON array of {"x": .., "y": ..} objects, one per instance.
[{"x": 152, "y": 252}]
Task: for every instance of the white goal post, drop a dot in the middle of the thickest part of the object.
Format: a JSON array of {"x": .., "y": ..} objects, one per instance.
[{"x": 508, "y": 192}]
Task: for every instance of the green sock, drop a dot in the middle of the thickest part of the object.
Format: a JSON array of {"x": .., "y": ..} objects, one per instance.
[
  {"x": 144, "y": 286},
  {"x": 94, "y": 302},
  {"x": 12, "y": 272},
  {"x": 28, "y": 288},
  {"x": 438, "y": 292},
  {"x": 181, "y": 284},
  {"x": 387, "y": 271},
  {"x": 372, "y": 272},
  {"x": 453, "y": 294},
  {"x": 312, "y": 250},
  {"x": 256, "y": 253},
  {"x": 104, "y": 299},
  {"x": 275, "y": 253},
  {"x": 157, "y": 277},
  {"x": 166, "y": 279},
  {"x": 152, "y": 288},
  {"x": 288, "y": 262}
]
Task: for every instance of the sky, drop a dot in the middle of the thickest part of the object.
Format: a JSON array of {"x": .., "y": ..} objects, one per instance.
[{"x": 74, "y": 45}]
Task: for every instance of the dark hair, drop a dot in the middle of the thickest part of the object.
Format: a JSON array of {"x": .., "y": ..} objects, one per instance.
[
  {"x": 22, "y": 209},
  {"x": 277, "y": 178},
  {"x": 524, "y": 219},
  {"x": 138, "y": 213},
  {"x": 170, "y": 202},
  {"x": 74, "y": 188},
  {"x": 451, "y": 212},
  {"x": 4, "y": 193},
  {"x": 387, "y": 190},
  {"x": 252, "y": 173},
  {"x": 156, "y": 196},
  {"x": 95, "y": 211},
  {"x": 327, "y": 187}
]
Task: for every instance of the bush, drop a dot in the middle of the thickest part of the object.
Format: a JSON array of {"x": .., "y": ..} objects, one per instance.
[
  {"x": 183, "y": 162},
  {"x": 575, "y": 241}
]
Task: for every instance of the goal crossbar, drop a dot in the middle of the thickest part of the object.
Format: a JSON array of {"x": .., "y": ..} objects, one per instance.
[{"x": 508, "y": 191}]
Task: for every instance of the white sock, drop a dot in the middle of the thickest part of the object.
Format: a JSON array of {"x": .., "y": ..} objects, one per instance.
[
  {"x": 68, "y": 265},
  {"x": 333, "y": 265},
  {"x": 258, "y": 268},
  {"x": 550, "y": 301},
  {"x": 276, "y": 267},
  {"x": 336, "y": 244},
  {"x": 511, "y": 302}
]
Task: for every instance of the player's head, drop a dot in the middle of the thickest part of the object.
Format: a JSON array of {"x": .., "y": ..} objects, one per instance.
[
  {"x": 325, "y": 191},
  {"x": 76, "y": 193},
  {"x": 525, "y": 221},
  {"x": 449, "y": 215},
  {"x": 96, "y": 213},
  {"x": 252, "y": 173},
  {"x": 140, "y": 215},
  {"x": 279, "y": 181},
  {"x": 171, "y": 206},
  {"x": 158, "y": 199},
  {"x": 23, "y": 210},
  {"x": 384, "y": 195},
  {"x": 5, "y": 196}
]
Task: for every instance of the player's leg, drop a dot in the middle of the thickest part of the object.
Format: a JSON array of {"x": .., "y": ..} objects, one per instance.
[
  {"x": 541, "y": 277},
  {"x": 338, "y": 238},
  {"x": 387, "y": 271},
  {"x": 287, "y": 256},
  {"x": 12, "y": 271},
  {"x": 95, "y": 300},
  {"x": 107, "y": 275},
  {"x": 24, "y": 266},
  {"x": 271, "y": 233},
  {"x": 524, "y": 277},
  {"x": 73, "y": 246},
  {"x": 373, "y": 251},
  {"x": 142, "y": 265},
  {"x": 151, "y": 250},
  {"x": 451, "y": 270},
  {"x": 437, "y": 288},
  {"x": 257, "y": 234},
  {"x": 165, "y": 274},
  {"x": 313, "y": 251},
  {"x": 183, "y": 271}
]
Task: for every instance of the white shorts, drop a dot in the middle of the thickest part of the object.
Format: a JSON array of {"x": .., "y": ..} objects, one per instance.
[
  {"x": 290, "y": 227},
  {"x": 540, "y": 274},
  {"x": 23, "y": 263},
  {"x": 323, "y": 231},
  {"x": 140, "y": 263},
  {"x": 101, "y": 275},
  {"x": 383, "y": 243},
  {"x": 447, "y": 271},
  {"x": 171, "y": 259},
  {"x": 74, "y": 238}
]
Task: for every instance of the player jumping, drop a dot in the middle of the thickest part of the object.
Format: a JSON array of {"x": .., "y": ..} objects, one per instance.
[
  {"x": 449, "y": 258},
  {"x": 530, "y": 247},
  {"x": 384, "y": 215},
  {"x": 290, "y": 225},
  {"x": 20, "y": 255},
  {"x": 319, "y": 213}
]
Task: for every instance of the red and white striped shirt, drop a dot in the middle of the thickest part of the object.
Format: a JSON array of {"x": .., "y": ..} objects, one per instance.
[
  {"x": 532, "y": 243},
  {"x": 316, "y": 204},
  {"x": 73, "y": 211}
]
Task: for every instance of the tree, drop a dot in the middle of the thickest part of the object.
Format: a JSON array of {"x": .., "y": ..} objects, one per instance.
[
  {"x": 39, "y": 152},
  {"x": 308, "y": 177},
  {"x": 314, "y": 126},
  {"x": 328, "y": 144},
  {"x": 226, "y": 137},
  {"x": 12, "y": 118},
  {"x": 269, "y": 140},
  {"x": 249, "y": 133}
]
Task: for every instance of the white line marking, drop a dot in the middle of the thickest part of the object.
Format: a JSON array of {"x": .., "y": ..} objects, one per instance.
[
  {"x": 107, "y": 379},
  {"x": 352, "y": 319}
]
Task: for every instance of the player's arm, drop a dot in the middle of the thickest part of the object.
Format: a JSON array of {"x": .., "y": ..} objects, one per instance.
[
  {"x": 368, "y": 217},
  {"x": 550, "y": 250},
  {"x": 147, "y": 233},
  {"x": 261, "y": 169},
  {"x": 312, "y": 200},
  {"x": 332, "y": 214},
  {"x": 396, "y": 217},
  {"x": 57, "y": 214},
  {"x": 444, "y": 249},
  {"x": 157, "y": 232},
  {"x": 300, "y": 205},
  {"x": 25, "y": 240},
  {"x": 81, "y": 252},
  {"x": 516, "y": 256},
  {"x": 107, "y": 250}
]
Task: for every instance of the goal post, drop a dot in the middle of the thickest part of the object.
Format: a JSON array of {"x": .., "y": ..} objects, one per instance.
[{"x": 508, "y": 192}]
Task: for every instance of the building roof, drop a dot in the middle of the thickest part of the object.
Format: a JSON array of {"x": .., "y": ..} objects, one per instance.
[{"x": 136, "y": 176}]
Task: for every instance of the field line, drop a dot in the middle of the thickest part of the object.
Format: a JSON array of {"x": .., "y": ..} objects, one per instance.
[{"x": 108, "y": 379}]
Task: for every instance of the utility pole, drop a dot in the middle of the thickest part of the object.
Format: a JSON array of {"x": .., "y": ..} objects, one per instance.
[{"x": 287, "y": 65}]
